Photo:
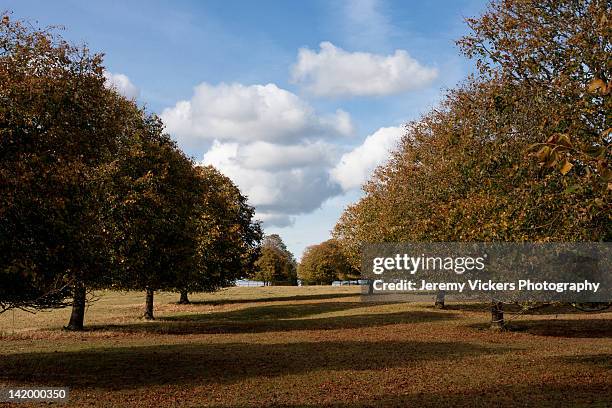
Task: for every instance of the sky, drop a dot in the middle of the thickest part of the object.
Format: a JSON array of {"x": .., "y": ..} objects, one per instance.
[{"x": 297, "y": 102}]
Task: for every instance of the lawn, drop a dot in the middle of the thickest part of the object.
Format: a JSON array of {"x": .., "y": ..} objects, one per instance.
[{"x": 308, "y": 346}]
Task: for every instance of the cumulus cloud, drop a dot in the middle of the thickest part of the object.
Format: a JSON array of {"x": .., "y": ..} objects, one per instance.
[
  {"x": 355, "y": 167},
  {"x": 268, "y": 156},
  {"x": 335, "y": 72},
  {"x": 122, "y": 84},
  {"x": 236, "y": 112},
  {"x": 280, "y": 180}
]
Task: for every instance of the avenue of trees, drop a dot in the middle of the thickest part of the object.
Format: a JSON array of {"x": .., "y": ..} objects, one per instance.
[
  {"x": 519, "y": 152},
  {"x": 93, "y": 193}
]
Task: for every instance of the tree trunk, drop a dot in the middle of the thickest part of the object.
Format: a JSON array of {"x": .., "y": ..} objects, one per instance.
[
  {"x": 184, "y": 300},
  {"x": 77, "y": 317},
  {"x": 497, "y": 316},
  {"x": 148, "y": 313},
  {"x": 440, "y": 299}
]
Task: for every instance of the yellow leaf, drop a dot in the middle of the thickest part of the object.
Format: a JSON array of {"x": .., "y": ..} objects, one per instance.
[
  {"x": 597, "y": 85},
  {"x": 566, "y": 167}
]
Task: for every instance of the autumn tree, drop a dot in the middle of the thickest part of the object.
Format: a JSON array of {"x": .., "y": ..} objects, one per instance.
[
  {"x": 465, "y": 171},
  {"x": 157, "y": 190},
  {"x": 60, "y": 131},
  {"x": 559, "y": 53},
  {"x": 226, "y": 236},
  {"x": 275, "y": 262},
  {"x": 324, "y": 263}
]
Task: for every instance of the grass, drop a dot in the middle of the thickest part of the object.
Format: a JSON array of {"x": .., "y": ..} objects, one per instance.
[{"x": 308, "y": 346}]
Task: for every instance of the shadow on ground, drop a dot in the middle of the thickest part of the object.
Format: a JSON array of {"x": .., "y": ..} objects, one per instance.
[
  {"x": 603, "y": 361},
  {"x": 570, "y": 328},
  {"x": 133, "y": 367},
  {"x": 286, "y": 317},
  {"x": 543, "y": 309},
  {"x": 574, "y": 328},
  {"x": 219, "y": 302},
  {"x": 588, "y": 394}
]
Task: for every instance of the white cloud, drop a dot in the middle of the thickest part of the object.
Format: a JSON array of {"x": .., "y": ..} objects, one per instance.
[
  {"x": 335, "y": 72},
  {"x": 122, "y": 84},
  {"x": 280, "y": 180},
  {"x": 356, "y": 166},
  {"x": 236, "y": 112},
  {"x": 264, "y": 155}
]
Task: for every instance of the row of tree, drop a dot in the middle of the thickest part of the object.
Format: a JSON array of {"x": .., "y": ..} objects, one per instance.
[
  {"x": 519, "y": 152},
  {"x": 93, "y": 193},
  {"x": 320, "y": 264}
]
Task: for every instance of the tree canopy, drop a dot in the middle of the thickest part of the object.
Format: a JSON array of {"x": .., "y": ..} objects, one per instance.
[
  {"x": 518, "y": 152},
  {"x": 94, "y": 194},
  {"x": 275, "y": 263},
  {"x": 325, "y": 263},
  {"x": 60, "y": 131},
  {"x": 468, "y": 170},
  {"x": 226, "y": 237}
]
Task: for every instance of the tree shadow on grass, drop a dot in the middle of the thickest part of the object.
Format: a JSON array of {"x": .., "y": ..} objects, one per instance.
[
  {"x": 570, "y": 328},
  {"x": 573, "y": 328},
  {"x": 274, "y": 311},
  {"x": 543, "y": 309},
  {"x": 133, "y": 367},
  {"x": 220, "y": 302},
  {"x": 603, "y": 361},
  {"x": 516, "y": 395},
  {"x": 272, "y": 318}
]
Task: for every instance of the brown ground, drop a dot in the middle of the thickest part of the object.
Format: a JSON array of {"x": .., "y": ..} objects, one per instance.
[{"x": 309, "y": 346}]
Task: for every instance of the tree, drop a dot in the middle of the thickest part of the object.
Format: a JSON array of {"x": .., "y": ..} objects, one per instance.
[
  {"x": 464, "y": 171},
  {"x": 275, "y": 263},
  {"x": 94, "y": 194},
  {"x": 325, "y": 263},
  {"x": 157, "y": 190},
  {"x": 60, "y": 131},
  {"x": 227, "y": 239},
  {"x": 560, "y": 52}
]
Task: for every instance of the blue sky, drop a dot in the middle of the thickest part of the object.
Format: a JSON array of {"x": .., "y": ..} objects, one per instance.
[{"x": 295, "y": 101}]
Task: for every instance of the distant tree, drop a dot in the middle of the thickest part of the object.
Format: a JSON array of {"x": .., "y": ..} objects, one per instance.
[
  {"x": 60, "y": 131},
  {"x": 275, "y": 263},
  {"x": 274, "y": 240},
  {"x": 227, "y": 238},
  {"x": 325, "y": 263}
]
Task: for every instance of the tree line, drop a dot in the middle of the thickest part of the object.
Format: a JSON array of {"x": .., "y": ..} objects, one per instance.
[
  {"x": 94, "y": 194},
  {"x": 519, "y": 152}
]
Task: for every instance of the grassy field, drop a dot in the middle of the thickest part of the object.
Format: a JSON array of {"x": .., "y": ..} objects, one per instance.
[{"x": 308, "y": 346}]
